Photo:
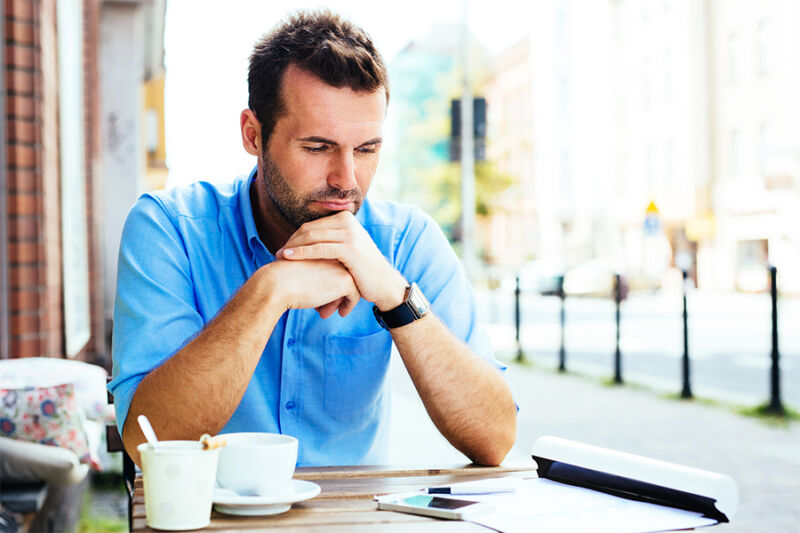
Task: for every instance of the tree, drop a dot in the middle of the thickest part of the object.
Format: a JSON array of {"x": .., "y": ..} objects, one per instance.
[{"x": 443, "y": 188}]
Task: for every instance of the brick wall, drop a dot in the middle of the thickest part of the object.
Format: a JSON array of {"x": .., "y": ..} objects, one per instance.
[
  {"x": 33, "y": 183},
  {"x": 27, "y": 266}
]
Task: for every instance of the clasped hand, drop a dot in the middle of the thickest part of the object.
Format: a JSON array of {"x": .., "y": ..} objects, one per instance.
[{"x": 333, "y": 246}]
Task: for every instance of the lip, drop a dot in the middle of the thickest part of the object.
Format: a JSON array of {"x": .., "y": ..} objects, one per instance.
[{"x": 336, "y": 205}]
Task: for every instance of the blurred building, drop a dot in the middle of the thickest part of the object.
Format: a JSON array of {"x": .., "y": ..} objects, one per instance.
[
  {"x": 661, "y": 125},
  {"x": 549, "y": 116},
  {"x": 755, "y": 155},
  {"x": 653, "y": 136},
  {"x": 512, "y": 235},
  {"x": 55, "y": 184}
]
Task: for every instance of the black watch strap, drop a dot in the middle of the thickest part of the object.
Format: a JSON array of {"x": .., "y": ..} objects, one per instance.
[{"x": 414, "y": 307}]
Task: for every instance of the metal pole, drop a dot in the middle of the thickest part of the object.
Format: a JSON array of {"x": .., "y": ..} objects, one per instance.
[
  {"x": 775, "y": 406},
  {"x": 686, "y": 392},
  {"x": 467, "y": 153},
  {"x": 562, "y": 352},
  {"x": 617, "y": 354},
  {"x": 518, "y": 322}
]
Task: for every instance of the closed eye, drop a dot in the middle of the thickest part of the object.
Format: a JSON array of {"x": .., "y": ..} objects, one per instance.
[
  {"x": 369, "y": 148},
  {"x": 316, "y": 148}
]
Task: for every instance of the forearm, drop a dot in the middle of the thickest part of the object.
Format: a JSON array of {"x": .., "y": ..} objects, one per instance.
[
  {"x": 467, "y": 399},
  {"x": 197, "y": 390}
]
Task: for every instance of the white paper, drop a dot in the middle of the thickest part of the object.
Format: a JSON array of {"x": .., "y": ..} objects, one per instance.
[{"x": 544, "y": 505}]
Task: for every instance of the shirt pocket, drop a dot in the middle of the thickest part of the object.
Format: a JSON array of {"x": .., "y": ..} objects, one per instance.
[{"x": 355, "y": 373}]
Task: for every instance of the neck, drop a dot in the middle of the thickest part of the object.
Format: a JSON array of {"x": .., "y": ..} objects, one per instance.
[{"x": 273, "y": 229}]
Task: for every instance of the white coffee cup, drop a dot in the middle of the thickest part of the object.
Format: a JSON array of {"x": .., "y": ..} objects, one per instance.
[
  {"x": 178, "y": 484},
  {"x": 257, "y": 464}
]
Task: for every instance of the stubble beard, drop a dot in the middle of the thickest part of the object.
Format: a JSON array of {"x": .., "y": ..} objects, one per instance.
[{"x": 296, "y": 209}]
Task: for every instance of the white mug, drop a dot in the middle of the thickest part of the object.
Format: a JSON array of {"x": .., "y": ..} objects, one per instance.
[
  {"x": 257, "y": 464},
  {"x": 178, "y": 484}
]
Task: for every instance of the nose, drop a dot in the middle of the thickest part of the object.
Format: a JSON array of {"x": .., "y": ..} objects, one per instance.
[{"x": 342, "y": 175}]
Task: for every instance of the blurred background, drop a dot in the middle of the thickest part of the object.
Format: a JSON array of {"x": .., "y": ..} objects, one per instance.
[{"x": 656, "y": 140}]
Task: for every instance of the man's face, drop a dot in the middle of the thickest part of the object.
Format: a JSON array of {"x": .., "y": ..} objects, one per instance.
[{"x": 323, "y": 152}]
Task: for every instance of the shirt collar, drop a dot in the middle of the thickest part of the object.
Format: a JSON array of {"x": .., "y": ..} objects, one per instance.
[{"x": 253, "y": 240}]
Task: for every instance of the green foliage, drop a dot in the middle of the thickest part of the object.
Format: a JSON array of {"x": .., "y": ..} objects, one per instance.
[
  {"x": 426, "y": 76},
  {"x": 443, "y": 187},
  {"x": 765, "y": 414},
  {"x": 90, "y": 523},
  {"x": 101, "y": 525}
]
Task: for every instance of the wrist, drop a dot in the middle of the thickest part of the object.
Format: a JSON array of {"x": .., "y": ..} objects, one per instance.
[
  {"x": 414, "y": 307},
  {"x": 272, "y": 294},
  {"x": 394, "y": 295}
]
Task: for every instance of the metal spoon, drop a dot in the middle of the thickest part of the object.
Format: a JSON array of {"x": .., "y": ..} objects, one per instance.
[{"x": 147, "y": 429}]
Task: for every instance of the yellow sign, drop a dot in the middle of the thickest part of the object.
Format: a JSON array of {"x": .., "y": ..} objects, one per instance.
[{"x": 652, "y": 209}]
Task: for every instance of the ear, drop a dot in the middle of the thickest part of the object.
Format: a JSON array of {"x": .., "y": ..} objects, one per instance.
[{"x": 251, "y": 132}]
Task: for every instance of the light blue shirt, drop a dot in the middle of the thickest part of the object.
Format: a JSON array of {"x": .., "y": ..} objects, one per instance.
[{"x": 186, "y": 251}]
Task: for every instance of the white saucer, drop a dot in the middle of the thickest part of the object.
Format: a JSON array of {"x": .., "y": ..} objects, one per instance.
[{"x": 228, "y": 502}]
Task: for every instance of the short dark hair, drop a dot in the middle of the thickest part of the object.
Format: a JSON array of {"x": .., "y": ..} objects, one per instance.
[{"x": 321, "y": 43}]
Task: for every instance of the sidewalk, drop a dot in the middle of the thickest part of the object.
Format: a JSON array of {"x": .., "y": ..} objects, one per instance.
[{"x": 764, "y": 460}]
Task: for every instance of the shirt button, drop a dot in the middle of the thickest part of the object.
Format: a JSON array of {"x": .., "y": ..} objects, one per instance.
[
  {"x": 290, "y": 405},
  {"x": 290, "y": 342}
]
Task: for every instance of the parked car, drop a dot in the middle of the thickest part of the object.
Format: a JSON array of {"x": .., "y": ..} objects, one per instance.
[
  {"x": 537, "y": 276},
  {"x": 592, "y": 278}
]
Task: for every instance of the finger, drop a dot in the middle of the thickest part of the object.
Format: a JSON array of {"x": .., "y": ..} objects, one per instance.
[
  {"x": 350, "y": 302},
  {"x": 325, "y": 311},
  {"x": 320, "y": 250},
  {"x": 314, "y": 236},
  {"x": 348, "y": 305}
]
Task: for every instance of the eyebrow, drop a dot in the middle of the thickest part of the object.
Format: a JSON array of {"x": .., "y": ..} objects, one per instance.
[{"x": 323, "y": 140}]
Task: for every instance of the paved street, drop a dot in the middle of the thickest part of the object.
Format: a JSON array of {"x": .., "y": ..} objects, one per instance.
[
  {"x": 729, "y": 339},
  {"x": 764, "y": 460}
]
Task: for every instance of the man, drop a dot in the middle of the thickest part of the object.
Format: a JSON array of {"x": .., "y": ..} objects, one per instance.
[{"x": 270, "y": 304}]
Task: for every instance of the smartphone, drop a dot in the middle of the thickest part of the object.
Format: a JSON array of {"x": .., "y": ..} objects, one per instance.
[{"x": 436, "y": 506}]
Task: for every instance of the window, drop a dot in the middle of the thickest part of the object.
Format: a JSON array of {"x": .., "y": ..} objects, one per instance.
[
  {"x": 765, "y": 142},
  {"x": 563, "y": 98},
  {"x": 669, "y": 163},
  {"x": 74, "y": 236},
  {"x": 566, "y": 174},
  {"x": 151, "y": 128},
  {"x": 735, "y": 58},
  {"x": 736, "y": 153},
  {"x": 561, "y": 26},
  {"x": 764, "y": 34}
]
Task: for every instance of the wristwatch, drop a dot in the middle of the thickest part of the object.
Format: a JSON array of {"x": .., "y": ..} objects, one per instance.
[{"x": 414, "y": 307}]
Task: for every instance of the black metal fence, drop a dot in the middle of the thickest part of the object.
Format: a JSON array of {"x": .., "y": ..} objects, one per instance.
[{"x": 774, "y": 405}]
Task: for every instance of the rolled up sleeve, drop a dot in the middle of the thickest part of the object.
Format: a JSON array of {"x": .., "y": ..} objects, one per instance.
[{"x": 155, "y": 312}]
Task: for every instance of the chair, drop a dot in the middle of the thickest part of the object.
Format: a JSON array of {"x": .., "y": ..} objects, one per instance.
[
  {"x": 43, "y": 483},
  {"x": 46, "y": 483},
  {"x": 114, "y": 444}
]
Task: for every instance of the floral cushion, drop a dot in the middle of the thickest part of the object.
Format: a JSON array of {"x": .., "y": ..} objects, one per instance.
[
  {"x": 46, "y": 415},
  {"x": 89, "y": 381}
]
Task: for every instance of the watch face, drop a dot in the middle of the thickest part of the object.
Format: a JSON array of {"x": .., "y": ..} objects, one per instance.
[{"x": 418, "y": 302}]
